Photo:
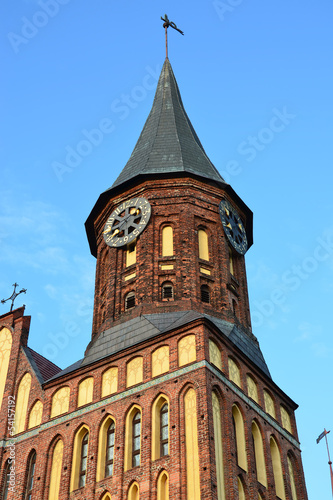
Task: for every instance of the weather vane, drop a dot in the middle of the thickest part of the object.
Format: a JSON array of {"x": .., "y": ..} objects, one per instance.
[
  {"x": 13, "y": 296},
  {"x": 166, "y": 25}
]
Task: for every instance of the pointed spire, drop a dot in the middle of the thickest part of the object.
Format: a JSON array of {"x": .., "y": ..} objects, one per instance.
[{"x": 168, "y": 142}]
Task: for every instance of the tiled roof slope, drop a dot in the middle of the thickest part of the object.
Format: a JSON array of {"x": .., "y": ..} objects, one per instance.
[
  {"x": 43, "y": 368},
  {"x": 138, "y": 330},
  {"x": 168, "y": 142}
]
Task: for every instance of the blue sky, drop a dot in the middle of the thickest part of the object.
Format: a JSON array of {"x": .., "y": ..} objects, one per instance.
[{"x": 256, "y": 80}]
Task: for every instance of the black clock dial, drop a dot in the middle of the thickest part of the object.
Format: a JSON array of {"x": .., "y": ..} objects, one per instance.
[
  {"x": 126, "y": 222},
  {"x": 233, "y": 227}
]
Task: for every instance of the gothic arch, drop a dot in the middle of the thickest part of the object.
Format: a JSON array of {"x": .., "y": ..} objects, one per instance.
[
  {"x": 22, "y": 399},
  {"x": 158, "y": 404},
  {"x": 218, "y": 441},
  {"x": 130, "y": 416},
  {"x": 103, "y": 444},
  {"x": 85, "y": 390},
  {"x": 160, "y": 360},
  {"x": 186, "y": 349},
  {"x": 133, "y": 491},
  {"x": 259, "y": 454},
  {"x": 215, "y": 353},
  {"x": 109, "y": 381},
  {"x": 55, "y": 455},
  {"x": 277, "y": 467},
  {"x": 30, "y": 473},
  {"x": 78, "y": 443},
  {"x": 60, "y": 406},
  {"x": 105, "y": 496},
  {"x": 240, "y": 438},
  {"x": 163, "y": 485},
  {"x": 35, "y": 413},
  {"x": 293, "y": 473}
]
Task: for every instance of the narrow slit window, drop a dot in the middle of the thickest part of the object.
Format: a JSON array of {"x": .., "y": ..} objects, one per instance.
[
  {"x": 164, "y": 429},
  {"x": 167, "y": 291},
  {"x": 109, "y": 450},
  {"x": 83, "y": 462},
  {"x": 205, "y": 294},
  {"x": 31, "y": 473},
  {"x": 130, "y": 300},
  {"x": 136, "y": 436}
]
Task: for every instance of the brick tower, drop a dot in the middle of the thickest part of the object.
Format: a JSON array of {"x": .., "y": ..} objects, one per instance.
[{"x": 173, "y": 398}]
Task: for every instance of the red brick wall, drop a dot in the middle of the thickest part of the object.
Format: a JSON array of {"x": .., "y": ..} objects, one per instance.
[
  {"x": 204, "y": 379},
  {"x": 186, "y": 204}
]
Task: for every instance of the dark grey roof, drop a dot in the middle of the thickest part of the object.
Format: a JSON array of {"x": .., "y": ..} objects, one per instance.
[
  {"x": 138, "y": 330},
  {"x": 69, "y": 369},
  {"x": 167, "y": 146},
  {"x": 168, "y": 142}
]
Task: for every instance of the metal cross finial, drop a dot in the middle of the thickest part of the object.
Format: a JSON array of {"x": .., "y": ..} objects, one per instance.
[
  {"x": 13, "y": 296},
  {"x": 166, "y": 25}
]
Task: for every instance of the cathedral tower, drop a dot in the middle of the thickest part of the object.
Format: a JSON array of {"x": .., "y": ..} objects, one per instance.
[{"x": 173, "y": 398}]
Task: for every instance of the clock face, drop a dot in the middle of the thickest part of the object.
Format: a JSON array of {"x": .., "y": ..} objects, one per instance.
[
  {"x": 126, "y": 222},
  {"x": 233, "y": 227}
]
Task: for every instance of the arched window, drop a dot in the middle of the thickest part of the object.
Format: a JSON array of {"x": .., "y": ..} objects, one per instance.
[
  {"x": 218, "y": 446},
  {"x": 163, "y": 486},
  {"x": 22, "y": 403},
  {"x": 240, "y": 437},
  {"x": 164, "y": 429},
  {"x": 86, "y": 388},
  {"x": 160, "y": 361},
  {"x": 106, "y": 444},
  {"x": 109, "y": 450},
  {"x": 285, "y": 417},
  {"x": 107, "y": 496},
  {"x": 231, "y": 261},
  {"x": 215, "y": 355},
  {"x": 167, "y": 291},
  {"x": 234, "y": 372},
  {"x": 252, "y": 389},
  {"x": 259, "y": 454},
  {"x": 167, "y": 241},
  {"x": 133, "y": 438},
  {"x": 6, "y": 480},
  {"x": 160, "y": 427},
  {"x": 55, "y": 477},
  {"x": 83, "y": 460},
  {"x": 277, "y": 469},
  {"x": 203, "y": 245},
  {"x": 30, "y": 476},
  {"x": 133, "y": 492},
  {"x": 136, "y": 439},
  {"x": 241, "y": 492},
  {"x": 131, "y": 254},
  {"x": 5, "y": 348},
  {"x": 269, "y": 404},
  {"x": 129, "y": 300},
  {"x": 292, "y": 478},
  {"x": 35, "y": 416},
  {"x": 80, "y": 458},
  {"x": 60, "y": 402},
  {"x": 110, "y": 381},
  {"x": 134, "y": 371},
  {"x": 205, "y": 294},
  {"x": 192, "y": 449},
  {"x": 186, "y": 350}
]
